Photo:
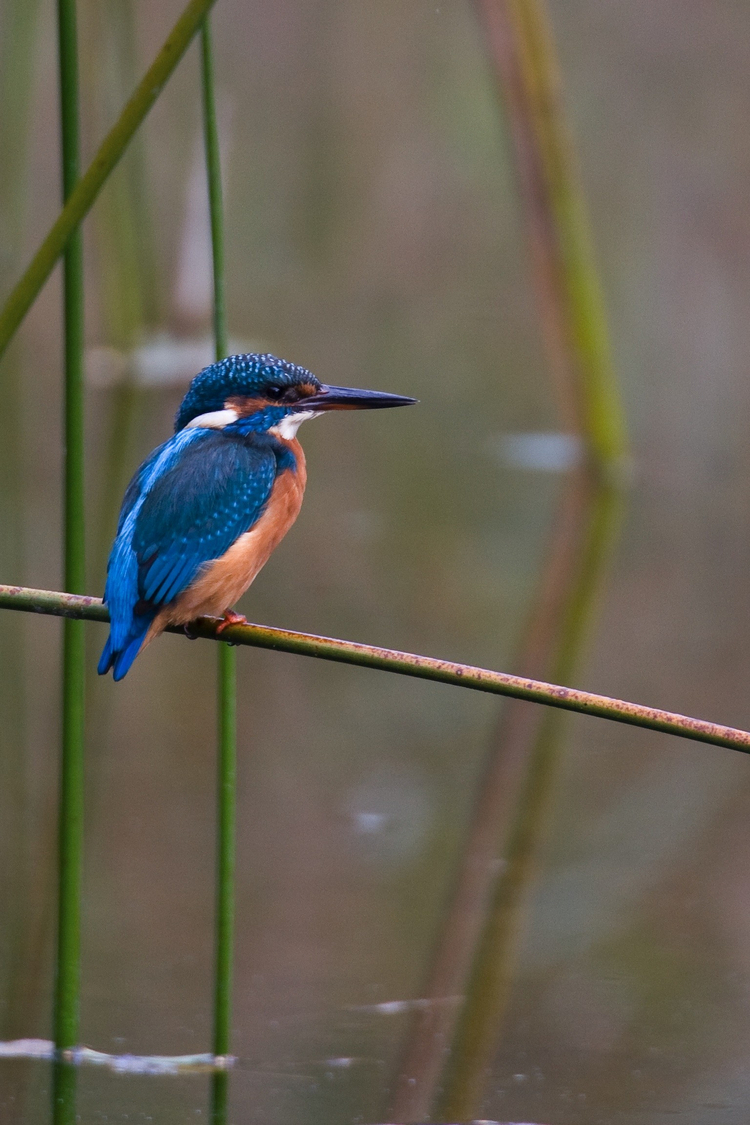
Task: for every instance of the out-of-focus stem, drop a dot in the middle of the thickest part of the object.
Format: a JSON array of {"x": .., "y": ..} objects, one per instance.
[
  {"x": 574, "y": 330},
  {"x": 88, "y": 187},
  {"x": 125, "y": 258},
  {"x": 18, "y": 29},
  {"x": 516, "y": 732},
  {"x": 491, "y": 976},
  {"x": 568, "y": 288}
]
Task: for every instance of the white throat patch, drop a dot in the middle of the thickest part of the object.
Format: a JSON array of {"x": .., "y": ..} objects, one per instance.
[
  {"x": 216, "y": 420},
  {"x": 288, "y": 426}
]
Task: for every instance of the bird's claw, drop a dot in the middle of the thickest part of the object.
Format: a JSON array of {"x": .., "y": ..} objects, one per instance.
[
  {"x": 230, "y": 618},
  {"x": 190, "y": 636}
]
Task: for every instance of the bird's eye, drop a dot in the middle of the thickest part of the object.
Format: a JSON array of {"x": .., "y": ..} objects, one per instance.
[{"x": 274, "y": 392}]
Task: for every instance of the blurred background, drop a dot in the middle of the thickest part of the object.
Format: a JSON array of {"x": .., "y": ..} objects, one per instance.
[{"x": 375, "y": 235}]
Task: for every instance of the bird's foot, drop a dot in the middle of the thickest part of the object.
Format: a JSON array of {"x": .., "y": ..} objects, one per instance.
[
  {"x": 230, "y": 618},
  {"x": 190, "y": 636}
]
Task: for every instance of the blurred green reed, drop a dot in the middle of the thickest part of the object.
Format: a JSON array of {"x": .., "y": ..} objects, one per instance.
[
  {"x": 570, "y": 300},
  {"x": 108, "y": 155},
  {"x": 126, "y": 262},
  {"x": 475, "y": 954},
  {"x": 573, "y": 318},
  {"x": 490, "y": 981},
  {"x": 17, "y": 43}
]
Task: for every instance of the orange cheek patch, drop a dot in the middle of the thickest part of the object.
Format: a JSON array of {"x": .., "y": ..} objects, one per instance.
[{"x": 244, "y": 405}]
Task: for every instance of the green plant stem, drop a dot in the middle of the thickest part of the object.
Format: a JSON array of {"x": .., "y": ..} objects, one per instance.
[
  {"x": 215, "y": 201},
  {"x": 67, "y": 985},
  {"x": 226, "y": 810},
  {"x": 64, "y": 1082},
  {"x": 86, "y": 190},
  {"x": 566, "y": 279},
  {"x": 405, "y": 664},
  {"x": 225, "y": 849}
]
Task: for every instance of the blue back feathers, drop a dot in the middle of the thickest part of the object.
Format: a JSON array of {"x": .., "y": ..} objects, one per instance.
[
  {"x": 192, "y": 498},
  {"x": 198, "y": 507}
]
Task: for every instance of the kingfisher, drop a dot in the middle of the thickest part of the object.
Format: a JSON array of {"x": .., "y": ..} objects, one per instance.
[{"x": 205, "y": 510}]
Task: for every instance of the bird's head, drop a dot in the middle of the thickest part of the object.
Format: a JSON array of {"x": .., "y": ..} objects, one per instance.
[{"x": 262, "y": 393}]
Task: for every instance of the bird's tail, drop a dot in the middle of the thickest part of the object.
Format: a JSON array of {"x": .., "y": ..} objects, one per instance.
[{"x": 121, "y": 659}]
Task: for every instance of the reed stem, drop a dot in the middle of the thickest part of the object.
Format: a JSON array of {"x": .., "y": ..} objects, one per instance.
[
  {"x": 566, "y": 279},
  {"x": 67, "y": 987},
  {"x": 406, "y": 664},
  {"x": 226, "y": 811}
]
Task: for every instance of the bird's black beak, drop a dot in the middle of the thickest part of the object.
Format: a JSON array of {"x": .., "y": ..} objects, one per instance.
[{"x": 351, "y": 398}]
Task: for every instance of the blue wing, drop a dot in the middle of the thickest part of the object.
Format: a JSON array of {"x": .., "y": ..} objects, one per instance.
[
  {"x": 185, "y": 506},
  {"x": 197, "y": 509}
]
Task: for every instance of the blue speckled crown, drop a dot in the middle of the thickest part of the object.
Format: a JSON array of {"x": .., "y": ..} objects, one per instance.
[{"x": 237, "y": 375}]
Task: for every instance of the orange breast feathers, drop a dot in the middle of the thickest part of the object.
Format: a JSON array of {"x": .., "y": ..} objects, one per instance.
[{"x": 225, "y": 580}]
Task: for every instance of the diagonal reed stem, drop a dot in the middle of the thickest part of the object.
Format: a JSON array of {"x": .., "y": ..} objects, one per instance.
[
  {"x": 405, "y": 664},
  {"x": 67, "y": 985},
  {"x": 87, "y": 188},
  {"x": 226, "y": 698}
]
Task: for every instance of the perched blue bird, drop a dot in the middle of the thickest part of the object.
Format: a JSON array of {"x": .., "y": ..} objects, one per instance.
[{"x": 203, "y": 513}]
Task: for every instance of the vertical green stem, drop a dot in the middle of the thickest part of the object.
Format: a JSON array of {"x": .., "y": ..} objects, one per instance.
[
  {"x": 213, "y": 169},
  {"x": 71, "y": 786},
  {"x": 227, "y": 670}
]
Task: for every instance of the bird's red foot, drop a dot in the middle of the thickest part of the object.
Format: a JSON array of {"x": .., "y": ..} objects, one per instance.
[{"x": 230, "y": 618}]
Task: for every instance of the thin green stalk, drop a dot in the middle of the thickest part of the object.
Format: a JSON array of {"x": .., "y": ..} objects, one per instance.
[
  {"x": 67, "y": 987},
  {"x": 405, "y": 664},
  {"x": 226, "y": 812},
  {"x": 225, "y": 849},
  {"x": 86, "y": 190},
  {"x": 64, "y": 1082},
  {"x": 215, "y": 201}
]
